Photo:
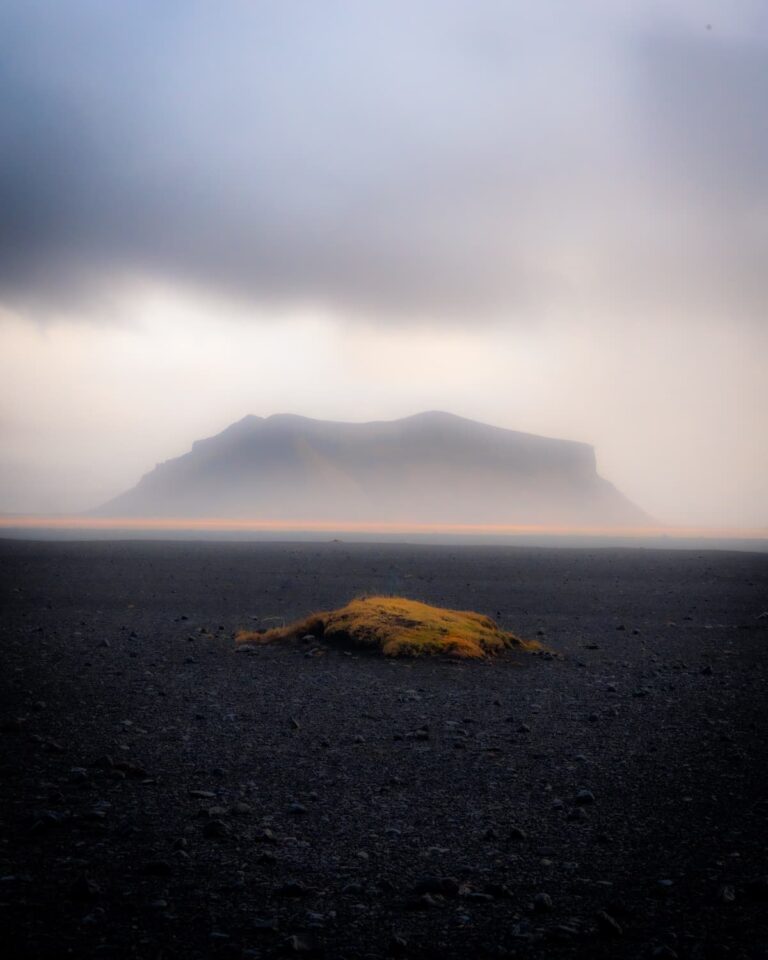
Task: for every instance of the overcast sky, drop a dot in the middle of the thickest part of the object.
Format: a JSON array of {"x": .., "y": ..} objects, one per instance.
[{"x": 549, "y": 216}]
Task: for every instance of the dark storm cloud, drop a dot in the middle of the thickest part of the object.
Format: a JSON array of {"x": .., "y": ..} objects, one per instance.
[{"x": 401, "y": 159}]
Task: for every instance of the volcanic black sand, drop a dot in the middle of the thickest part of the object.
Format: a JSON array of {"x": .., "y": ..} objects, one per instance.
[{"x": 165, "y": 796}]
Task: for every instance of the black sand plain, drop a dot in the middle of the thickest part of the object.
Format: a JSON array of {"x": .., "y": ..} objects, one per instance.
[{"x": 164, "y": 796}]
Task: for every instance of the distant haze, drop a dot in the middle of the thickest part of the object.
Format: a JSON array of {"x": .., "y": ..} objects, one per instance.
[{"x": 547, "y": 217}]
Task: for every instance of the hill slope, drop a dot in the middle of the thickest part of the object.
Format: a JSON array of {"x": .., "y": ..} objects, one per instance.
[{"x": 431, "y": 467}]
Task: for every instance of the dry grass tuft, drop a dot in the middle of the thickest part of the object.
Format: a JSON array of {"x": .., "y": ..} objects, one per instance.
[{"x": 399, "y": 627}]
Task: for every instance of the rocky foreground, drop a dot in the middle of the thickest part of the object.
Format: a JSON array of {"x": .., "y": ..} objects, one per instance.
[{"x": 165, "y": 796}]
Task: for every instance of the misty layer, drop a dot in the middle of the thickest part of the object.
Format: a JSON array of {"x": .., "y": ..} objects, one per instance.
[{"x": 432, "y": 467}]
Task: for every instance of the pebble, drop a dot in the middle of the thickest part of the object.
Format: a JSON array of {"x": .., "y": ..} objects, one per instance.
[
  {"x": 353, "y": 889},
  {"x": 607, "y": 924},
  {"x": 216, "y": 829},
  {"x": 301, "y": 943},
  {"x": 584, "y": 797},
  {"x": 542, "y": 903},
  {"x": 442, "y": 886}
]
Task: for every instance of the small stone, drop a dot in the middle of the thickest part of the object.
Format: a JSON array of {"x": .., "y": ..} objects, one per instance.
[
  {"x": 727, "y": 893},
  {"x": 517, "y": 833},
  {"x": 442, "y": 886},
  {"x": 423, "y": 902},
  {"x": 297, "y": 809},
  {"x": 301, "y": 943},
  {"x": 265, "y": 836},
  {"x": 46, "y": 820},
  {"x": 353, "y": 889},
  {"x": 216, "y": 829},
  {"x": 475, "y": 896},
  {"x": 584, "y": 797},
  {"x": 158, "y": 868},
  {"x": 398, "y": 945},
  {"x": 542, "y": 903},
  {"x": 607, "y": 924}
]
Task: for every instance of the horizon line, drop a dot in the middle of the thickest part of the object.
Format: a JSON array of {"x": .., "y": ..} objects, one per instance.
[{"x": 255, "y": 524}]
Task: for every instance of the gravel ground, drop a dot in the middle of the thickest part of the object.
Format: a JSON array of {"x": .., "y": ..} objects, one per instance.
[{"x": 164, "y": 796}]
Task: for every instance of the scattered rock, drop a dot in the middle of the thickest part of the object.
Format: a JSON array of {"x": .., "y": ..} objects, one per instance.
[
  {"x": 441, "y": 886},
  {"x": 542, "y": 903},
  {"x": 216, "y": 829},
  {"x": 607, "y": 924}
]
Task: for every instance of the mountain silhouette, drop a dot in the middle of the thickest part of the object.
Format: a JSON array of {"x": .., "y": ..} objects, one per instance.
[{"x": 430, "y": 467}]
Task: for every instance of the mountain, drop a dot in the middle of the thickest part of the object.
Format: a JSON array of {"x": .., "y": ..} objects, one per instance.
[{"x": 431, "y": 467}]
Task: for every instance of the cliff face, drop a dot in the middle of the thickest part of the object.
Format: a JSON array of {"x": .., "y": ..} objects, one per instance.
[{"x": 432, "y": 467}]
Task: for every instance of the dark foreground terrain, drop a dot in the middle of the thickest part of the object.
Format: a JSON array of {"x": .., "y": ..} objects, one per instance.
[{"x": 164, "y": 796}]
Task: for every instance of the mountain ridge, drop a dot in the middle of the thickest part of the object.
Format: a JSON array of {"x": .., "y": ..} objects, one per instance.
[{"x": 431, "y": 466}]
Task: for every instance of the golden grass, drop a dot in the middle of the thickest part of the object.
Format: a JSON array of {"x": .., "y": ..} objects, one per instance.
[{"x": 400, "y": 627}]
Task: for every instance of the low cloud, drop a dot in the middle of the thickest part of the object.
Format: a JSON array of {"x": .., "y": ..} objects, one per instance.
[{"x": 440, "y": 161}]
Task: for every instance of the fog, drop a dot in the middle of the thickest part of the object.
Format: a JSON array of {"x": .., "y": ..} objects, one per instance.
[{"x": 547, "y": 217}]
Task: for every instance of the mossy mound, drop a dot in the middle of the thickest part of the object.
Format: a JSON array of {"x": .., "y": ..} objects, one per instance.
[{"x": 398, "y": 627}]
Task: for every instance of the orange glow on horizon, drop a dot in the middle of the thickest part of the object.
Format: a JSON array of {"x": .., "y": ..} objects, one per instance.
[{"x": 213, "y": 524}]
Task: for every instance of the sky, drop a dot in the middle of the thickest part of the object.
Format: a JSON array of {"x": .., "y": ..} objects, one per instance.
[{"x": 551, "y": 217}]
